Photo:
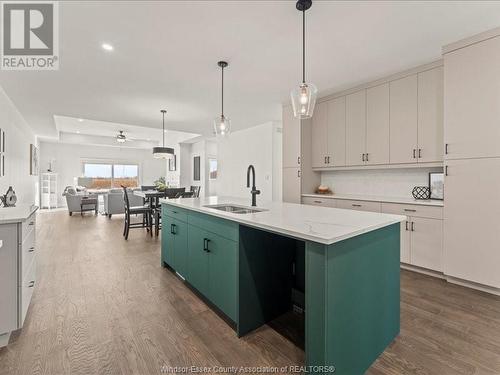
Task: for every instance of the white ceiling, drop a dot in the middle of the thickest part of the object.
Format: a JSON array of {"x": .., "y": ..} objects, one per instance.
[{"x": 165, "y": 56}]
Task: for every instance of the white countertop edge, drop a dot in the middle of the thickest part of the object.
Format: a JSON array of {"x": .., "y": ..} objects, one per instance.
[
  {"x": 17, "y": 214},
  {"x": 297, "y": 235},
  {"x": 433, "y": 203}
]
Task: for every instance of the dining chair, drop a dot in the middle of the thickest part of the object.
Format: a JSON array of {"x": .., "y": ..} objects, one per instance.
[
  {"x": 187, "y": 194},
  {"x": 145, "y": 211},
  {"x": 195, "y": 190}
]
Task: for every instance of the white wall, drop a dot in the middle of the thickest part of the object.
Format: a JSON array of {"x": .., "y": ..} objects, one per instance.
[
  {"x": 69, "y": 160},
  {"x": 389, "y": 182},
  {"x": 259, "y": 146},
  {"x": 19, "y": 136}
]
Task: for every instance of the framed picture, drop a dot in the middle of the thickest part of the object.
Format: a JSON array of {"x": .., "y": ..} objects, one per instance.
[
  {"x": 196, "y": 168},
  {"x": 172, "y": 164},
  {"x": 436, "y": 185},
  {"x": 2, "y": 153},
  {"x": 33, "y": 160}
]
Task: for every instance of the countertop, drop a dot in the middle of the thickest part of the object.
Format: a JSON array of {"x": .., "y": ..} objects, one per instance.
[
  {"x": 374, "y": 198},
  {"x": 16, "y": 214},
  {"x": 312, "y": 223}
]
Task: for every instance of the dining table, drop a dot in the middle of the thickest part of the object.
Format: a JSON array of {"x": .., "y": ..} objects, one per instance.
[{"x": 152, "y": 199}]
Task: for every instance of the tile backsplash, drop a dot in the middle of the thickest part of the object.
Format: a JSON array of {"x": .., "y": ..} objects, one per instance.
[{"x": 383, "y": 182}]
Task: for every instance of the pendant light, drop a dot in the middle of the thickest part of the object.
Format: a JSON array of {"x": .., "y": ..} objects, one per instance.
[
  {"x": 222, "y": 125},
  {"x": 163, "y": 152},
  {"x": 304, "y": 96}
]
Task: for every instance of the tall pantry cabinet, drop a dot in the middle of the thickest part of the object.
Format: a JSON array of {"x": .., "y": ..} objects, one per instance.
[{"x": 472, "y": 159}]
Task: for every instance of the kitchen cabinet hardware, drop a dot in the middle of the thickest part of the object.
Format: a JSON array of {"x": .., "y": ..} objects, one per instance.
[
  {"x": 406, "y": 224},
  {"x": 412, "y": 226},
  {"x": 325, "y": 160},
  {"x": 31, "y": 249},
  {"x": 356, "y": 205},
  {"x": 419, "y": 153},
  {"x": 446, "y": 170},
  {"x": 31, "y": 284},
  {"x": 318, "y": 202},
  {"x": 367, "y": 156},
  {"x": 363, "y": 157},
  {"x": 298, "y": 160},
  {"x": 410, "y": 210},
  {"x": 298, "y": 173},
  {"x": 31, "y": 223},
  {"x": 205, "y": 245},
  {"x": 172, "y": 228},
  {"x": 328, "y": 159},
  {"x": 446, "y": 148},
  {"x": 414, "y": 153}
]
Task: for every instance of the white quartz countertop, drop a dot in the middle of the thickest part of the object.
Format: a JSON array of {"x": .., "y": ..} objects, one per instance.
[
  {"x": 16, "y": 214},
  {"x": 375, "y": 198},
  {"x": 312, "y": 223}
]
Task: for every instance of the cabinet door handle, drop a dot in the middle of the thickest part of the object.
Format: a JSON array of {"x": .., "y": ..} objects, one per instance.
[
  {"x": 318, "y": 202},
  {"x": 328, "y": 159},
  {"x": 356, "y": 205},
  {"x": 419, "y": 153},
  {"x": 409, "y": 210},
  {"x": 446, "y": 148},
  {"x": 172, "y": 229},
  {"x": 325, "y": 160},
  {"x": 412, "y": 226},
  {"x": 446, "y": 170},
  {"x": 298, "y": 173},
  {"x": 31, "y": 284},
  {"x": 367, "y": 156},
  {"x": 205, "y": 245},
  {"x": 31, "y": 249},
  {"x": 406, "y": 224},
  {"x": 363, "y": 157},
  {"x": 31, "y": 223},
  {"x": 298, "y": 160},
  {"x": 414, "y": 153}
]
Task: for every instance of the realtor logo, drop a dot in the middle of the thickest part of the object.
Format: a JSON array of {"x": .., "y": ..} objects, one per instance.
[{"x": 29, "y": 35}]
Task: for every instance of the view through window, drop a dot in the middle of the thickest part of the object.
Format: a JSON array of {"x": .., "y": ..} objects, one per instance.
[{"x": 109, "y": 175}]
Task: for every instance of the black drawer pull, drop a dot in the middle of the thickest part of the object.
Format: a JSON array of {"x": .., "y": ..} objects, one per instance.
[
  {"x": 31, "y": 284},
  {"x": 356, "y": 205},
  {"x": 31, "y": 249},
  {"x": 205, "y": 245},
  {"x": 409, "y": 210},
  {"x": 172, "y": 229},
  {"x": 32, "y": 223}
]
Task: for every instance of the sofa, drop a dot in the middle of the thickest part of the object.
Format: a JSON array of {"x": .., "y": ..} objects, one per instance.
[
  {"x": 114, "y": 204},
  {"x": 74, "y": 198}
]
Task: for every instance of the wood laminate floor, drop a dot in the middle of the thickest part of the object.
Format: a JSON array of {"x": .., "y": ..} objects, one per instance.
[{"x": 103, "y": 305}]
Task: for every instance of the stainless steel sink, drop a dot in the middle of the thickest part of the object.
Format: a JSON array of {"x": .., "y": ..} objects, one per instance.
[{"x": 235, "y": 209}]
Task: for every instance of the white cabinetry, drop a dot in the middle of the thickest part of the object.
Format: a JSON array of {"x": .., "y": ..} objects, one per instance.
[
  {"x": 320, "y": 136},
  {"x": 356, "y": 128},
  {"x": 49, "y": 190},
  {"x": 358, "y": 205},
  {"x": 17, "y": 272},
  {"x": 472, "y": 97},
  {"x": 377, "y": 125},
  {"x": 316, "y": 201},
  {"x": 291, "y": 139},
  {"x": 403, "y": 120},
  {"x": 430, "y": 116},
  {"x": 336, "y": 132},
  {"x": 291, "y": 185}
]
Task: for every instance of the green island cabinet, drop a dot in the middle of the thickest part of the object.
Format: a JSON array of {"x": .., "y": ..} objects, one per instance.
[{"x": 352, "y": 290}]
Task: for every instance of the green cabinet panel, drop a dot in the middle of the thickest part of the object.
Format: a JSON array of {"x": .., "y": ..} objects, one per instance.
[
  {"x": 222, "y": 270},
  {"x": 224, "y": 228},
  {"x": 167, "y": 242},
  {"x": 197, "y": 273},
  {"x": 175, "y": 212},
  {"x": 180, "y": 233}
]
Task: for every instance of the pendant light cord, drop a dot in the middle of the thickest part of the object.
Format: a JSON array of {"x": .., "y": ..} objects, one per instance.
[
  {"x": 222, "y": 92},
  {"x": 163, "y": 132},
  {"x": 303, "y": 46}
]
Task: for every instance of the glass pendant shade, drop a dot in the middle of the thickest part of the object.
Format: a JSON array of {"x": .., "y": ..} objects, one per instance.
[
  {"x": 222, "y": 126},
  {"x": 304, "y": 100},
  {"x": 163, "y": 152}
]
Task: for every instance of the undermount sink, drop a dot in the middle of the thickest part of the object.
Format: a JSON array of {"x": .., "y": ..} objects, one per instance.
[{"x": 235, "y": 209}]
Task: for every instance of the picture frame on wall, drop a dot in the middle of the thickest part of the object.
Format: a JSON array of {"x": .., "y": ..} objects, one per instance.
[
  {"x": 2, "y": 153},
  {"x": 172, "y": 164},
  {"x": 436, "y": 185},
  {"x": 196, "y": 168},
  {"x": 33, "y": 160}
]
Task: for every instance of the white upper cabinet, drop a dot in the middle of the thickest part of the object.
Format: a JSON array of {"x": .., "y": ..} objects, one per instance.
[
  {"x": 377, "y": 125},
  {"x": 403, "y": 120},
  {"x": 356, "y": 128},
  {"x": 336, "y": 132},
  {"x": 430, "y": 116},
  {"x": 291, "y": 139},
  {"x": 320, "y": 136},
  {"x": 472, "y": 100}
]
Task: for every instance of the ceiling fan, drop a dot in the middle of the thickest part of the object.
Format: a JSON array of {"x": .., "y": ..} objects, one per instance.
[{"x": 122, "y": 138}]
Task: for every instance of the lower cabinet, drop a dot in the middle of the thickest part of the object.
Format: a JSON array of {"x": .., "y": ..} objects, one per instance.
[{"x": 207, "y": 260}]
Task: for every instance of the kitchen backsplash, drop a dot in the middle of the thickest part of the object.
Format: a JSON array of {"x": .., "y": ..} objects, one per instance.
[{"x": 388, "y": 182}]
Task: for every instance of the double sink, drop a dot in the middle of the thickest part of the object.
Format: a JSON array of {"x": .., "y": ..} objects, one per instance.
[{"x": 235, "y": 209}]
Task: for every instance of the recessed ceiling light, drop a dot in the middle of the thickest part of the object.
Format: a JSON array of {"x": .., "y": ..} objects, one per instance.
[
  {"x": 164, "y": 131},
  {"x": 78, "y": 132},
  {"x": 80, "y": 120},
  {"x": 107, "y": 47}
]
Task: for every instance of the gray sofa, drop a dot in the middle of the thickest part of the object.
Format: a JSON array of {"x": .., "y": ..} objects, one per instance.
[
  {"x": 74, "y": 199},
  {"x": 113, "y": 201}
]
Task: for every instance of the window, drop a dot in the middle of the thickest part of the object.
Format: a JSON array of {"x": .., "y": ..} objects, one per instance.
[
  {"x": 196, "y": 168},
  {"x": 212, "y": 169},
  {"x": 109, "y": 175}
]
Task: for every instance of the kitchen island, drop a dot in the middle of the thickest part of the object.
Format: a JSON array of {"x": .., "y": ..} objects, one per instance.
[{"x": 247, "y": 263}]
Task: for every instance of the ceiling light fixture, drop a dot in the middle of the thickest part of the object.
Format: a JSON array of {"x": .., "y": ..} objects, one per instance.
[
  {"x": 107, "y": 47},
  {"x": 120, "y": 138},
  {"x": 163, "y": 152},
  {"x": 304, "y": 96},
  {"x": 80, "y": 120},
  {"x": 222, "y": 125}
]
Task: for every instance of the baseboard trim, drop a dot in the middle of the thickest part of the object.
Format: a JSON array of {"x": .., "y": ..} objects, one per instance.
[
  {"x": 4, "y": 339},
  {"x": 424, "y": 271},
  {"x": 473, "y": 285}
]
